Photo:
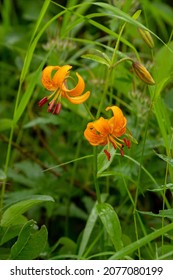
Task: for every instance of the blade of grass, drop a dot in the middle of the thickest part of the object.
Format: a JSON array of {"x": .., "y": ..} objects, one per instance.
[{"x": 141, "y": 242}]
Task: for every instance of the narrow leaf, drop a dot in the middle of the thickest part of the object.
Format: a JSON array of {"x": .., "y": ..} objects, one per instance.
[
  {"x": 96, "y": 58},
  {"x": 141, "y": 242},
  {"x": 89, "y": 228},
  {"x": 5, "y": 124}
]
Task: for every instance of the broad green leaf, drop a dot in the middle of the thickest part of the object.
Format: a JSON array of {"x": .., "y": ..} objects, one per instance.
[
  {"x": 5, "y": 124},
  {"x": 7, "y": 233},
  {"x": 30, "y": 243},
  {"x": 111, "y": 224},
  {"x": 13, "y": 214},
  {"x": 102, "y": 162}
]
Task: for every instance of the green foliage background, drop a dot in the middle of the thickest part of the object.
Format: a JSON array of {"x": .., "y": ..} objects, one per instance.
[{"x": 49, "y": 205}]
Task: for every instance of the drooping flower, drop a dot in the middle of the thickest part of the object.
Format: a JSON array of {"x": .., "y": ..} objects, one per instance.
[
  {"x": 105, "y": 131},
  {"x": 54, "y": 79}
]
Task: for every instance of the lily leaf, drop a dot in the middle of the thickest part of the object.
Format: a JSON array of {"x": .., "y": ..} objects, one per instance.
[
  {"x": 13, "y": 214},
  {"x": 165, "y": 158},
  {"x": 111, "y": 224},
  {"x": 30, "y": 242},
  {"x": 96, "y": 58}
]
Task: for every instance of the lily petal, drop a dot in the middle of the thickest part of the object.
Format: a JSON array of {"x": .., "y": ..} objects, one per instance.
[
  {"x": 102, "y": 126},
  {"x": 93, "y": 137},
  {"x": 78, "y": 99},
  {"x": 60, "y": 76},
  {"x": 78, "y": 89},
  {"x": 47, "y": 80},
  {"x": 118, "y": 122}
]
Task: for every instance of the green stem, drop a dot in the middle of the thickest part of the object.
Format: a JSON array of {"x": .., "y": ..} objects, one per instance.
[
  {"x": 95, "y": 175},
  {"x": 117, "y": 44}
]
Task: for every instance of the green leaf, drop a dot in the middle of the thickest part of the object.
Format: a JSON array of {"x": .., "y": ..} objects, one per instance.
[
  {"x": 116, "y": 12},
  {"x": 89, "y": 228},
  {"x": 13, "y": 214},
  {"x": 102, "y": 162},
  {"x": 96, "y": 58},
  {"x": 40, "y": 121},
  {"x": 27, "y": 95},
  {"x": 111, "y": 224},
  {"x": 165, "y": 158},
  {"x": 141, "y": 242},
  {"x": 162, "y": 188},
  {"x": 5, "y": 124},
  {"x": 7, "y": 233},
  {"x": 30, "y": 243},
  {"x": 166, "y": 213}
]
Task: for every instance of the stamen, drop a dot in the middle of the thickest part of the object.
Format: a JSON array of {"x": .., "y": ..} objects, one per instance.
[
  {"x": 57, "y": 109},
  {"x": 42, "y": 101},
  {"x": 51, "y": 106},
  {"x": 107, "y": 154},
  {"x": 122, "y": 152},
  {"x": 127, "y": 142}
]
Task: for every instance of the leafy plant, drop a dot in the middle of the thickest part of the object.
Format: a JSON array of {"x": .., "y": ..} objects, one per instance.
[{"x": 91, "y": 178}]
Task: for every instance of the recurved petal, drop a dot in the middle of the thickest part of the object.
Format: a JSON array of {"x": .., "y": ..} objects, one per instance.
[
  {"x": 78, "y": 99},
  {"x": 102, "y": 126},
  {"x": 93, "y": 137},
  {"x": 47, "y": 81},
  {"x": 78, "y": 89},
  {"x": 117, "y": 122},
  {"x": 61, "y": 75}
]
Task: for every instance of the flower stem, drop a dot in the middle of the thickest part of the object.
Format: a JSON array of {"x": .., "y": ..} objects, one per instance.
[{"x": 95, "y": 175}]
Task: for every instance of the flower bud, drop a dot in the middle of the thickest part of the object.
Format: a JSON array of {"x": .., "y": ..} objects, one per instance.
[
  {"x": 142, "y": 73},
  {"x": 146, "y": 36}
]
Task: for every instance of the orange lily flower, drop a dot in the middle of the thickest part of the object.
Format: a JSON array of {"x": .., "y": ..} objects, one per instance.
[
  {"x": 57, "y": 83},
  {"x": 106, "y": 131}
]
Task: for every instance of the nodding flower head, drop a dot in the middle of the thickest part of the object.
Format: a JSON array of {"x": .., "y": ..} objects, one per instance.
[
  {"x": 54, "y": 79},
  {"x": 108, "y": 131}
]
